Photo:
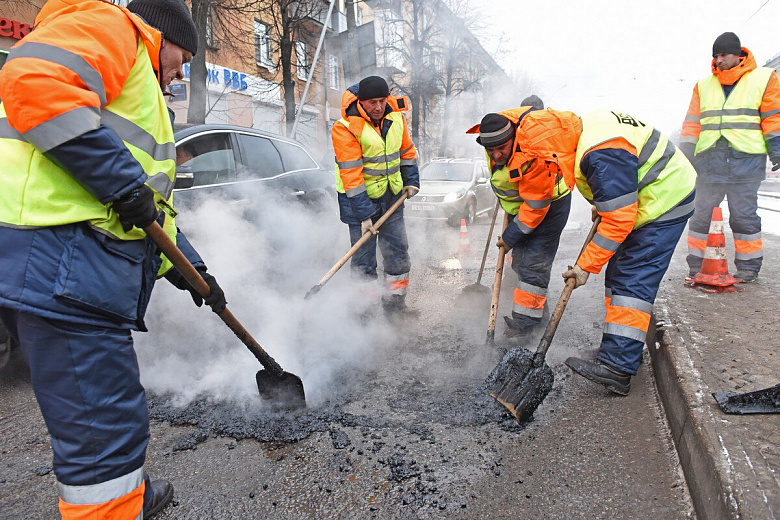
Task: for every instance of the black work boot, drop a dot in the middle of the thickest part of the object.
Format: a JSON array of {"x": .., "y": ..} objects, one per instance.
[
  {"x": 395, "y": 307},
  {"x": 513, "y": 330},
  {"x": 615, "y": 380},
  {"x": 746, "y": 276},
  {"x": 161, "y": 495}
]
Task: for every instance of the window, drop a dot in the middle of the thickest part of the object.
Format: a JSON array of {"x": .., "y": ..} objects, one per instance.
[
  {"x": 263, "y": 55},
  {"x": 295, "y": 157},
  {"x": 333, "y": 71},
  {"x": 209, "y": 157},
  {"x": 259, "y": 157},
  {"x": 302, "y": 58}
]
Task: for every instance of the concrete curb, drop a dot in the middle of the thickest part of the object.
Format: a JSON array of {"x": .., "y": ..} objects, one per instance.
[{"x": 681, "y": 392}]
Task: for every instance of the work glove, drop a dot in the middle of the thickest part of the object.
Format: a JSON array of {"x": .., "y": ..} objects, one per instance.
[
  {"x": 775, "y": 162},
  {"x": 411, "y": 191},
  {"x": 216, "y": 299},
  {"x": 578, "y": 273},
  {"x": 137, "y": 208},
  {"x": 367, "y": 225},
  {"x": 503, "y": 244}
]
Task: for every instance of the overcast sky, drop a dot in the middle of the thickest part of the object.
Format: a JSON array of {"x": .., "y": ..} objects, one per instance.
[{"x": 640, "y": 57}]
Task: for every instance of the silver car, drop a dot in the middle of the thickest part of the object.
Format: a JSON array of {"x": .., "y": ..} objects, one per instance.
[{"x": 451, "y": 190}]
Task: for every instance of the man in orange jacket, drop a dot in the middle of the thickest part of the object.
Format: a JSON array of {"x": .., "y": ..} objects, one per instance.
[
  {"x": 732, "y": 124},
  {"x": 88, "y": 163},
  {"x": 376, "y": 161}
]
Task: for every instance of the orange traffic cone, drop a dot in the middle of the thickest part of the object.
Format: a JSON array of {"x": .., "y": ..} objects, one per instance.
[
  {"x": 714, "y": 274},
  {"x": 464, "y": 249}
]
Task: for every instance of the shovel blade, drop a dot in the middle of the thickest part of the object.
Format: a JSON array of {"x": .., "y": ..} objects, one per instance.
[
  {"x": 519, "y": 385},
  {"x": 285, "y": 391}
]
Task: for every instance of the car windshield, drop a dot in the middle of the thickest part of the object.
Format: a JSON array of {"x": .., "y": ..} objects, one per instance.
[{"x": 441, "y": 171}]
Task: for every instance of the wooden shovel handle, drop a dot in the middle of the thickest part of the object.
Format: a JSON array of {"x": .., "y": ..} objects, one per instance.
[
  {"x": 557, "y": 313},
  {"x": 366, "y": 236},
  {"x": 180, "y": 262},
  {"x": 491, "y": 331},
  {"x": 487, "y": 242}
]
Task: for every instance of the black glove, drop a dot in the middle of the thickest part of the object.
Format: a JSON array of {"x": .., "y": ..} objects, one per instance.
[
  {"x": 137, "y": 208},
  {"x": 216, "y": 299},
  {"x": 775, "y": 162}
]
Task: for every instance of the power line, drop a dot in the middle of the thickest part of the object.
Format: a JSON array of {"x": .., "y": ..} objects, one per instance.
[{"x": 757, "y": 10}]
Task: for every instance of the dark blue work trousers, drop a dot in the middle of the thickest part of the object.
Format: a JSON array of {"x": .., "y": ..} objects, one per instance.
[
  {"x": 392, "y": 242},
  {"x": 742, "y": 199},
  {"x": 635, "y": 271},
  {"x": 87, "y": 384}
]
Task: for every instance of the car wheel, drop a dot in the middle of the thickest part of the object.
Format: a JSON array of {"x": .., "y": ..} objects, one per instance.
[{"x": 471, "y": 212}]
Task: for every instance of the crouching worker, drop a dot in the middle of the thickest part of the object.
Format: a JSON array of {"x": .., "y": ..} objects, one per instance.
[
  {"x": 532, "y": 178},
  {"x": 88, "y": 162},
  {"x": 643, "y": 188},
  {"x": 375, "y": 162}
]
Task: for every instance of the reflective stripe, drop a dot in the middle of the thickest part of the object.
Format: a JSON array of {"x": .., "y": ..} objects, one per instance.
[
  {"x": 533, "y": 289},
  {"x": 715, "y": 253},
  {"x": 695, "y": 252},
  {"x": 605, "y": 243},
  {"x": 9, "y": 132},
  {"x": 398, "y": 284},
  {"x": 676, "y": 212},
  {"x": 385, "y": 172},
  {"x": 404, "y": 151},
  {"x": 699, "y": 236},
  {"x": 616, "y": 203},
  {"x": 770, "y": 113},
  {"x": 730, "y": 112},
  {"x": 538, "y": 204},
  {"x": 138, "y": 137},
  {"x": 732, "y": 126},
  {"x": 103, "y": 492},
  {"x": 523, "y": 228},
  {"x": 689, "y": 139},
  {"x": 408, "y": 162},
  {"x": 354, "y": 192},
  {"x": 63, "y": 128},
  {"x": 649, "y": 147},
  {"x": 161, "y": 184},
  {"x": 657, "y": 168},
  {"x": 747, "y": 238},
  {"x": 692, "y": 119},
  {"x": 382, "y": 158},
  {"x": 771, "y": 135},
  {"x": 349, "y": 164},
  {"x": 508, "y": 195},
  {"x": 525, "y": 311},
  {"x": 630, "y": 302},
  {"x": 749, "y": 256},
  {"x": 625, "y": 331},
  {"x": 86, "y": 72}
]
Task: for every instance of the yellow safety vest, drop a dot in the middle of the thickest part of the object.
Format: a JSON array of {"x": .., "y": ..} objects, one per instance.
[
  {"x": 381, "y": 157},
  {"x": 508, "y": 194},
  {"x": 37, "y": 193},
  {"x": 738, "y": 117},
  {"x": 665, "y": 175}
]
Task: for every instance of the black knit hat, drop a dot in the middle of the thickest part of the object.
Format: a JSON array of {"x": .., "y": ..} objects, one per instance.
[
  {"x": 172, "y": 18},
  {"x": 495, "y": 130},
  {"x": 533, "y": 101},
  {"x": 727, "y": 43},
  {"x": 372, "y": 87}
]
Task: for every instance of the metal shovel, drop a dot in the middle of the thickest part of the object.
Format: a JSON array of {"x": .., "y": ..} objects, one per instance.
[
  {"x": 477, "y": 288},
  {"x": 273, "y": 383},
  {"x": 523, "y": 379}
]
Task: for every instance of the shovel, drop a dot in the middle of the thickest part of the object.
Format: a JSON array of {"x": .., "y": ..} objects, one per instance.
[
  {"x": 366, "y": 236},
  {"x": 491, "y": 331},
  {"x": 524, "y": 379},
  {"x": 478, "y": 288},
  {"x": 273, "y": 383}
]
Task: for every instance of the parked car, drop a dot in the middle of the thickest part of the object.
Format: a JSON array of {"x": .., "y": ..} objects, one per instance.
[
  {"x": 453, "y": 189},
  {"x": 231, "y": 161}
]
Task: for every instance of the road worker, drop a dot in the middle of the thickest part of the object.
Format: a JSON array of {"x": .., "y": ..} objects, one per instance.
[
  {"x": 529, "y": 182},
  {"x": 642, "y": 186},
  {"x": 376, "y": 161},
  {"x": 88, "y": 161},
  {"x": 732, "y": 123}
]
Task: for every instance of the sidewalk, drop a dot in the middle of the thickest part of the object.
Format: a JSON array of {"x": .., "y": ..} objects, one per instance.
[{"x": 727, "y": 342}]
